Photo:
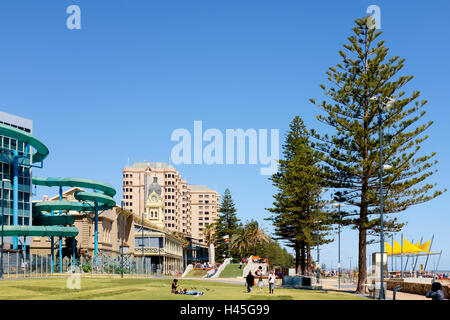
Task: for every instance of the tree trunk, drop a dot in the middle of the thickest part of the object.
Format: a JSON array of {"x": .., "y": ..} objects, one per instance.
[
  {"x": 362, "y": 265},
  {"x": 303, "y": 266},
  {"x": 308, "y": 258},
  {"x": 297, "y": 257}
]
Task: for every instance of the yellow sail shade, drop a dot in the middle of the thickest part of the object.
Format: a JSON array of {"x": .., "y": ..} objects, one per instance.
[{"x": 408, "y": 247}]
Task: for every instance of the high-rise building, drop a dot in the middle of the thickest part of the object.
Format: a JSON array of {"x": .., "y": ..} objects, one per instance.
[
  {"x": 176, "y": 197},
  {"x": 205, "y": 204}
]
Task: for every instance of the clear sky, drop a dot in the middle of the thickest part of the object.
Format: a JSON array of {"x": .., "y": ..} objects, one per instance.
[{"x": 137, "y": 70}]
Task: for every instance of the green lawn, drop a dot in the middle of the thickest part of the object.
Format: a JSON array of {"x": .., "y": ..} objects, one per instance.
[
  {"x": 196, "y": 273},
  {"x": 150, "y": 289},
  {"x": 232, "y": 271}
]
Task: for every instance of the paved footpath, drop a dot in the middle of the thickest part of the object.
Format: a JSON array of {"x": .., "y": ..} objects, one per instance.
[{"x": 332, "y": 284}]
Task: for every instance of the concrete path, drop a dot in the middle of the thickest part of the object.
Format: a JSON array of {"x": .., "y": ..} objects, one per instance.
[{"x": 332, "y": 284}]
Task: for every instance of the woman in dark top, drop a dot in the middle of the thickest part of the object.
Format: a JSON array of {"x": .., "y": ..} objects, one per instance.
[
  {"x": 250, "y": 280},
  {"x": 174, "y": 286}
]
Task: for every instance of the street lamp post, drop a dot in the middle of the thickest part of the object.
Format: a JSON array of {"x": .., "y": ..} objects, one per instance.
[
  {"x": 3, "y": 223},
  {"x": 339, "y": 205},
  {"x": 380, "y": 125},
  {"x": 143, "y": 259},
  {"x": 121, "y": 248}
]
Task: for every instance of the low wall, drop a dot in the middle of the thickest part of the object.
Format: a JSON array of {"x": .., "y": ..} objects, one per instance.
[
  {"x": 223, "y": 265},
  {"x": 415, "y": 287},
  {"x": 188, "y": 269},
  {"x": 297, "y": 282}
]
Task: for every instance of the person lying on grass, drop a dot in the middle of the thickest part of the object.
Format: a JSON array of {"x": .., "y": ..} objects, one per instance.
[{"x": 193, "y": 293}]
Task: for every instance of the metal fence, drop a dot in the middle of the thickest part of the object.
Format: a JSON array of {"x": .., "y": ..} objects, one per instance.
[{"x": 18, "y": 265}]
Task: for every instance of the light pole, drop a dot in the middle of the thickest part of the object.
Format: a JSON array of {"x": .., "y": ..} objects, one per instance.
[
  {"x": 3, "y": 223},
  {"x": 339, "y": 205},
  {"x": 318, "y": 243},
  {"x": 318, "y": 238},
  {"x": 121, "y": 248},
  {"x": 143, "y": 259},
  {"x": 380, "y": 125}
]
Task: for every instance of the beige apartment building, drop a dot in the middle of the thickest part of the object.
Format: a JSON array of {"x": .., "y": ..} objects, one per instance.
[
  {"x": 205, "y": 204},
  {"x": 187, "y": 208}
]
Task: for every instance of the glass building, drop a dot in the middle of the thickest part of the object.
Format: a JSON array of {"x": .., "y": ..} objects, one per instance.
[{"x": 17, "y": 211}]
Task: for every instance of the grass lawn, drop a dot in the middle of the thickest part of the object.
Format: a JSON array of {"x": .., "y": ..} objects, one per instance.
[
  {"x": 150, "y": 289},
  {"x": 232, "y": 271},
  {"x": 196, "y": 274}
]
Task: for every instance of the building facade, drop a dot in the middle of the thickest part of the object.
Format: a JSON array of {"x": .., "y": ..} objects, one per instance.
[
  {"x": 15, "y": 169},
  {"x": 187, "y": 208},
  {"x": 205, "y": 205},
  {"x": 161, "y": 249}
]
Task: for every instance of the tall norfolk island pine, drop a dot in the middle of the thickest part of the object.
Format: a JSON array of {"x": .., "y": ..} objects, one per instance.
[
  {"x": 297, "y": 201},
  {"x": 351, "y": 153},
  {"x": 227, "y": 224}
]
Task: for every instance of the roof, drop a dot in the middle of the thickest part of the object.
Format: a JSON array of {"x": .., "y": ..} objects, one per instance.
[
  {"x": 142, "y": 165},
  {"x": 199, "y": 187}
]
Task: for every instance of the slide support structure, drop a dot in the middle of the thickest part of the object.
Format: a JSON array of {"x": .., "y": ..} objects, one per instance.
[
  {"x": 60, "y": 254},
  {"x": 96, "y": 230},
  {"x": 15, "y": 195},
  {"x": 73, "y": 253},
  {"x": 52, "y": 249}
]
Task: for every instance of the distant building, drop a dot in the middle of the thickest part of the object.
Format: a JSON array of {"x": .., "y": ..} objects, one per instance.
[
  {"x": 186, "y": 208},
  {"x": 205, "y": 204}
]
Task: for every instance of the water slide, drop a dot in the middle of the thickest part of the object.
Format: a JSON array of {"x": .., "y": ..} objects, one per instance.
[
  {"x": 41, "y": 150},
  {"x": 46, "y": 224}
]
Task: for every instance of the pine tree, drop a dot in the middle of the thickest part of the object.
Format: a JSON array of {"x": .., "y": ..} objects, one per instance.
[
  {"x": 351, "y": 152},
  {"x": 297, "y": 201},
  {"x": 227, "y": 224}
]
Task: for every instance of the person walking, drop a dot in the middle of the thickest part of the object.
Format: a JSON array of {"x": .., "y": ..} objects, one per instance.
[
  {"x": 260, "y": 283},
  {"x": 250, "y": 281},
  {"x": 436, "y": 292},
  {"x": 271, "y": 280}
]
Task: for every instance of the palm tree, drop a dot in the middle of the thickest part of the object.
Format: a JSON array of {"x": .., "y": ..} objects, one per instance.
[
  {"x": 209, "y": 233},
  {"x": 209, "y": 236},
  {"x": 241, "y": 242},
  {"x": 257, "y": 236}
]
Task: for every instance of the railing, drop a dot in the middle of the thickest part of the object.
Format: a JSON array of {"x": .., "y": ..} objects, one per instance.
[{"x": 18, "y": 265}]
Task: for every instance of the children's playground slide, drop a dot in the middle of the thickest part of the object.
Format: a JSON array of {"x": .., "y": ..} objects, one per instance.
[{"x": 47, "y": 216}]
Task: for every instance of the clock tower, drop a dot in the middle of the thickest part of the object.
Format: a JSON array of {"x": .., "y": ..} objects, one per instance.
[{"x": 154, "y": 208}]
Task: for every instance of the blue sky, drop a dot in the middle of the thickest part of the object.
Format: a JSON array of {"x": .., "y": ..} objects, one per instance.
[{"x": 137, "y": 70}]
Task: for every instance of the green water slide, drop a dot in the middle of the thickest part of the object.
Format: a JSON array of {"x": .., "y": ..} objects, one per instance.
[
  {"x": 103, "y": 198},
  {"x": 41, "y": 150},
  {"x": 46, "y": 224},
  {"x": 40, "y": 231},
  {"x": 75, "y": 182}
]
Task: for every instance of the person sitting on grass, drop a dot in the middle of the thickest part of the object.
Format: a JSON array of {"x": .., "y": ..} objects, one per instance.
[{"x": 174, "y": 286}]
